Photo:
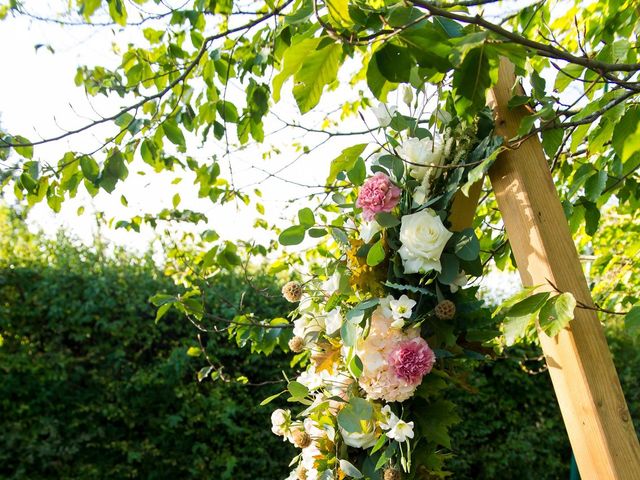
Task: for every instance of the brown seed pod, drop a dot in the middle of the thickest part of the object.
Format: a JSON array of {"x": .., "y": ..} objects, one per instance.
[
  {"x": 445, "y": 310},
  {"x": 392, "y": 474},
  {"x": 301, "y": 473},
  {"x": 301, "y": 439},
  {"x": 296, "y": 344},
  {"x": 292, "y": 292}
]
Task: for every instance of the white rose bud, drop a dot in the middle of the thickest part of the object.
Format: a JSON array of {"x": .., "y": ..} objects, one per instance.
[
  {"x": 407, "y": 95},
  {"x": 422, "y": 155},
  {"x": 423, "y": 237}
]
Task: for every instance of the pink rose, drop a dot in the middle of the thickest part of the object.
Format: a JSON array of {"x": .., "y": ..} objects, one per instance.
[
  {"x": 412, "y": 359},
  {"x": 378, "y": 194}
]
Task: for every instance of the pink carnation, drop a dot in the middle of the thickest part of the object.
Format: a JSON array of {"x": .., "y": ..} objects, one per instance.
[
  {"x": 411, "y": 360},
  {"x": 378, "y": 194}
]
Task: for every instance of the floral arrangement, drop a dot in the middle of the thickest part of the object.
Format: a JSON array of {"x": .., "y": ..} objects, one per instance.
[{"x": 382, "y": 324}]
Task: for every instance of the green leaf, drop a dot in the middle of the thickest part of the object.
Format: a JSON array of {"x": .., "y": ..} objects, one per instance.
[
  {"x": 394, "y": 63},
  {"x": 173, "y": 132},
  {"x": 227, "y": 111},
  {"x": 345, "y": 161},
  {"x": 318, "y": 69},
  {"x": 355, "y": 366},
  {"x": 387, "y": 220},
  {"x": 567, "y": 75},
  {"x": 270, "y": 399},
  {"x": 339, "y": 11},
  {"x": 26, "y": 151},
  {"x": 376, "y": 254},
  {"x": 557, "y": 313},
  {"x": 626, "y": 134},
  {"x": 515, "y": 328},
  {"x": 297, "y": 390},
  {"x": 472, "y": 80},
  {"x": 349, "y": 333},
  {"x": 632, "y": 320},
  {"x": 529, "y": 305},
  {"x": 291, "y": 62},
  {"x": 595, "y": 184},
  {"x": 162, "y": 310},
  {"x": 358, "y": 173},
  {"x": 591, "y": 217},
  {"x": 90, "y": 168},
  {"x": 467, "y": 246},
  {"x": 551, "y": 141},
  {"x": 204, "y": 373},
  {"x": 306, "y": 217},
  {"x": 292, "y": 235},
  {"x": 349, "y": 469},
  {"x": 114, "y": 170},
  {"x": 118, "y": 11},
  {"x": 377, "y": 83},
  {"x": 194, "y": 352},
  {"x": 352, "y": 416}
]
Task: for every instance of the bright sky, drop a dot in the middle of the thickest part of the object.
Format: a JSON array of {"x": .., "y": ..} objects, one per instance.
[{"x": 39, "y": 99}]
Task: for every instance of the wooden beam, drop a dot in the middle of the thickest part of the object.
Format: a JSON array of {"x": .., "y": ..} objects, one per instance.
[
  {"x": 463, "y": 208},
  {"x": 584, "y": 378}
]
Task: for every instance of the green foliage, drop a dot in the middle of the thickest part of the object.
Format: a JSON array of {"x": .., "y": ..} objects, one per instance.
[{"x": 92, "y": 388}]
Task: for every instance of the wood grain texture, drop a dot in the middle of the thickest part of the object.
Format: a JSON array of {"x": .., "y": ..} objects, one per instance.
[{"x": 584, "y": 378}]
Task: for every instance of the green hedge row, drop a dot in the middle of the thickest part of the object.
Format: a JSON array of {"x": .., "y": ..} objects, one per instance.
[{"x": 91, "y": 388}]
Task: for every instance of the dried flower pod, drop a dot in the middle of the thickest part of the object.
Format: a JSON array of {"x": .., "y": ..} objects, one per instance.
[
  {"x": 292, "y": 291},
  {"x": 301, "y": 439},
  {"x": 392, "y": 474},
  {"x": 301, "y": 473},
  {"x": 296, "y": 344},
  {"x": 445, "y": 310}
]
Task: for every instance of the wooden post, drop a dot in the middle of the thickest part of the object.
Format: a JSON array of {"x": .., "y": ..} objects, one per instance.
[{"x": 584, "y": 378}]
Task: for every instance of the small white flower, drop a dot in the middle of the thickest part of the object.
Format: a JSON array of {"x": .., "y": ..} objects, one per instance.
[
  {"x": 390, "y": 418},
  {"x": 368, "y": 230},
  {"x": 422, "y": 155},
  {"x": 384, "y": 114},
  {"x": 333, "y": 321},
  {"x": 407, "y": 95},
  {"x": 401, "y": 431},
  {"x": 401, "y": 308}
]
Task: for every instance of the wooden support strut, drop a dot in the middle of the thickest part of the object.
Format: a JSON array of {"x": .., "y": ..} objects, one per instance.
[{"x": 591, "y": 400}]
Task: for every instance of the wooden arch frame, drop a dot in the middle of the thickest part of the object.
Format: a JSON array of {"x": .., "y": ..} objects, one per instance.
[{"x": 584, "y": 378}]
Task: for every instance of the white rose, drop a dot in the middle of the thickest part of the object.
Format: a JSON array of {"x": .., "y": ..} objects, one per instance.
[
  {"x": 418, "y": 152},
  {"x": 423, "y": 237},
  {"x": 384, "y": 114}
]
